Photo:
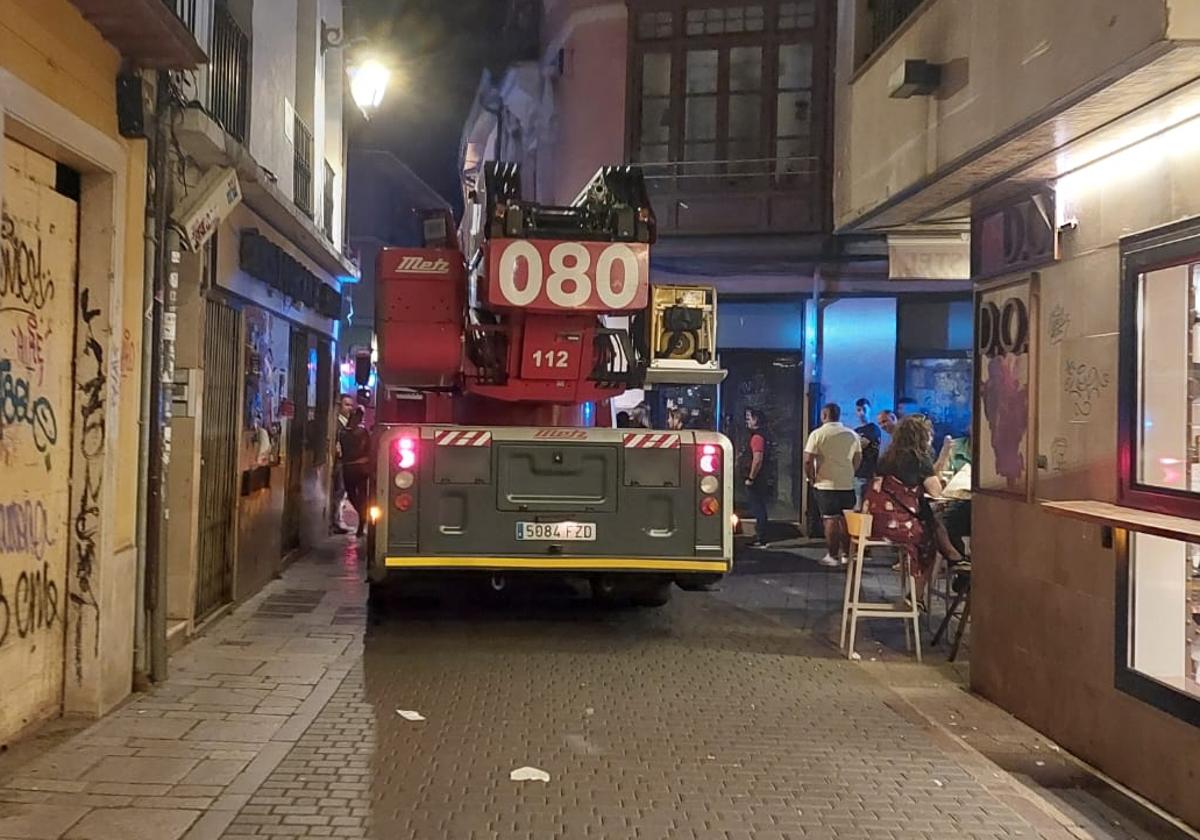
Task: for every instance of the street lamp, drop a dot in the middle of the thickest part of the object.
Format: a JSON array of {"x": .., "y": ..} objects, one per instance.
[{"x": 368, "y": 84}]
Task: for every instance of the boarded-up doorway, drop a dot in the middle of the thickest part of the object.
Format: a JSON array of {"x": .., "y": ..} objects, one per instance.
[{"x": 38, "y": 260}]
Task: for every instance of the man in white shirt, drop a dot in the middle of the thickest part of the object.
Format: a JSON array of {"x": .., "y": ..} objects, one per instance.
[{"x": 831, "y": 457}]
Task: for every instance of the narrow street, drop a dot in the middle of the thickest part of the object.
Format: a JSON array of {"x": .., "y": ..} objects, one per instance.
[{"x": 707, "y": 719}]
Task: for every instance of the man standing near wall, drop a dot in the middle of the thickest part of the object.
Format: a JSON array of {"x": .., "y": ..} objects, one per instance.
[
  {"x": 831, "y": 457},
  {"x": 337, "y": 484}
]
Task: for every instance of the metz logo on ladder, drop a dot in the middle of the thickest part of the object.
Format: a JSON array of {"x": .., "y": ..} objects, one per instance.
[
  {"x": 461, "y": 438},
  {"x": 651, "y": 440}
]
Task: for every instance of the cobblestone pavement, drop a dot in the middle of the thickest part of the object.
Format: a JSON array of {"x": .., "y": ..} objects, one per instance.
[{"x": 707, "y": 719}]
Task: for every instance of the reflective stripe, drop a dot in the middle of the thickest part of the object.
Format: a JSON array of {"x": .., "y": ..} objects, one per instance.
[
  {"x": 651, "y": 440},
  {"x": 599, "y": 564},
  {"x": 463, "y": 438}
]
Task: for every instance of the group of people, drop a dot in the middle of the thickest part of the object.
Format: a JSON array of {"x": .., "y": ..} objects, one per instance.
[
  {"x": 351, "y": 466},
  {"x": 886, "y": 466},
  {"x": 639, "y": 418}
]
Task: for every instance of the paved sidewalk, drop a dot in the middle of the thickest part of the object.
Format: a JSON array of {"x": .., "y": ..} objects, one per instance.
[
  {"x": 721, "y": 716},
  {"x": 184, "y": 759}
]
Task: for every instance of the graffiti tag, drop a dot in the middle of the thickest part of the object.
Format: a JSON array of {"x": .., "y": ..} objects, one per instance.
[
  {"x": 20, "y": 404},
  {"x": 33, "y": 605},
  {"x": 21, "y": 273},
  {"x": 1060, "y": 319},
  {"x": 1084, "y": 383},
  {"x": 91, "y": 385},
  {"x": 24, "y": 529}
]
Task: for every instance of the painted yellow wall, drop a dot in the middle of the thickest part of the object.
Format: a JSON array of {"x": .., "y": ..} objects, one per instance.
[{"x": 49, "y": 46}]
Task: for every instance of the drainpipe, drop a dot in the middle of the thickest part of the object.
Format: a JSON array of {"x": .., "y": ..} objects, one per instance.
[
  {"x": 156, "y": 571},
  {"x": 150, "y": 251}
]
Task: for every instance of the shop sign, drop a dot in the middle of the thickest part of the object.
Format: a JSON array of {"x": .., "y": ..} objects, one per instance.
[
  {"x": 210, "y": 203},
  {"x": 1017, "y": 237}
]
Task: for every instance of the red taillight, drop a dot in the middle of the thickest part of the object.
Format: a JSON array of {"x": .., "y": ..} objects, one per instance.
[
  {"x": 710, "y": 459},
  {"x": 406, "y": 453},
  {"x": 403, "y": 502},
  {"x": 710, "y": 506}
]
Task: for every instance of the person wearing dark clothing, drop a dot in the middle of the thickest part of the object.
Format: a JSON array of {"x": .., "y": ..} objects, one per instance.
[
  {"x": 754, "y": 459},
  {"x": 623, "y": 421},
  {"x": 355, "y": 442},
  {"x": 870, "y": 438}
]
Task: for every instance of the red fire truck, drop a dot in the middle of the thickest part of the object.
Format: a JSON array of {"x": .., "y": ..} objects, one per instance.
[{"x": 498, "y": 360}]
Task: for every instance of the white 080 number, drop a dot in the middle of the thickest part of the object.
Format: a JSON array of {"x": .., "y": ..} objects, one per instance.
[{"x": 569, "y": 285}]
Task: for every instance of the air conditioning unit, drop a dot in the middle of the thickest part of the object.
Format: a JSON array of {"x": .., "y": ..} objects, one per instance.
[{"x": 683, "y": 336}]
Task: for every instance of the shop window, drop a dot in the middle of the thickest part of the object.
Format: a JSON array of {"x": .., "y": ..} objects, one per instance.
[
  {"x": 1159, "y": 636},
  {"x": 1168, "y": 370},
  {"x": 1160, "y": 364},
  {"x": 1158, "y": 597}
]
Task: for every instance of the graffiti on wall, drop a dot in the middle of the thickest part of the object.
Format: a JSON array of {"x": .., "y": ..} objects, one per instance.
[
  {"x": 22, "y": 277},
  {"x": 91, "y": 385},
  {"x": 28, "y": 593}
]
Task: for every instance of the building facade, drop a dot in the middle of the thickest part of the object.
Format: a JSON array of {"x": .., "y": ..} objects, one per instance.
[
  {"x": 1065, "y": 137},
  {"x": 727, "y": 105},
  {"x": 72, "y": 273},
  {"x": 258, "y": 303}
]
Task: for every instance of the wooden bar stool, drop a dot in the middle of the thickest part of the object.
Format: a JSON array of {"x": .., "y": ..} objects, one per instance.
[{"x": 858, "y": 525}]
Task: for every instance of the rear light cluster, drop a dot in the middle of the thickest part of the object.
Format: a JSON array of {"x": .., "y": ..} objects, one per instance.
[
  {"x": 405, "y": 461},
  {"x": 710, "y": 482}
]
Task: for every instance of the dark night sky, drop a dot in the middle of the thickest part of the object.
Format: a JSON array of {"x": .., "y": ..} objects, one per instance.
[{"x": 438, "y": 48}]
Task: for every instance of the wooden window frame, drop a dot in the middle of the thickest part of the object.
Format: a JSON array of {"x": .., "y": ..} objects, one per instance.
[{"x": 769, "y": 39}]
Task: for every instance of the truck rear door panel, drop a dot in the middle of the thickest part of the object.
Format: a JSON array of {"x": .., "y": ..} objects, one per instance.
[{"x": 639, "y": 511}]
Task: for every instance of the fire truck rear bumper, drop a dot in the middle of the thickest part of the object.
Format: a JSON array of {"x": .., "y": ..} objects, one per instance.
[{"x": 564, "y": 564}]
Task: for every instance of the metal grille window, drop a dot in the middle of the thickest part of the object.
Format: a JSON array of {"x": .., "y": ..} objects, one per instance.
[
  {"x": 797, "y": 14},
  {"x": 655, "y": 25},
  {"x": 229, "y": 74},
  {"x": 724, "y": 20},
  {"x": 185, "y": 10},
  {"x": 302, "y": 183},
  {"x": 327, "y": 215}
]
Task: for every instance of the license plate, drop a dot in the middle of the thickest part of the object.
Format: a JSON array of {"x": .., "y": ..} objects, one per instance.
[{"x": 556, "y": 531}]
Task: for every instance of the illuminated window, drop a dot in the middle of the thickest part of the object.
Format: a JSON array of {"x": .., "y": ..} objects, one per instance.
[
  {"x": 1162, "y": 621},
  {"x": 1168, "y": 314},
  {"x": 1158, "y": 598}
]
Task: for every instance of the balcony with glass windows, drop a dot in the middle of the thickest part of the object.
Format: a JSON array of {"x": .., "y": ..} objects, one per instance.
[
  {"x": 157, "y": 34},
  {"x": 730, "y": 117}
]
